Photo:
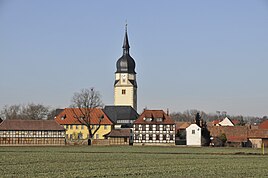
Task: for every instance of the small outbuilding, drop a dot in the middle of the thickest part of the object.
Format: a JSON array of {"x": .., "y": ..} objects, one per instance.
[
  {"x": 193, "y": 135},
  {"x": 258, "y": 138},
  {"x": 122, "y": 136}
]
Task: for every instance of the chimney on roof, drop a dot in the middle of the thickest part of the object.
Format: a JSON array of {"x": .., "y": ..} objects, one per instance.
[
  {"x": 167, "y": 111},
  {"x": 145, "y": 108}
]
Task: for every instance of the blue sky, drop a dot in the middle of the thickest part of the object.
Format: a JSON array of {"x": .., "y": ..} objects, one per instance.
[{"x": 206, "y": 55}]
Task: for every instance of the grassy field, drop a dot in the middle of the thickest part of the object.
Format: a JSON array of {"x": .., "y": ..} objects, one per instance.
[{"x": 129, "y": 161}]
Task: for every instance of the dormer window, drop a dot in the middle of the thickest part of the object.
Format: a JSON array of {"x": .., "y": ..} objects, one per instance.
[
  {"x": 147, "y": 119},
  {"x": 159, "y": 119},
  {"x": 63, "y": 117}
]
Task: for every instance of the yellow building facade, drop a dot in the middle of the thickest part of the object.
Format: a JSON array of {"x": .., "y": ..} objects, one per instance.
[
  {"x": 81, "y": 131},
  {"x": 76, "y": 130}
]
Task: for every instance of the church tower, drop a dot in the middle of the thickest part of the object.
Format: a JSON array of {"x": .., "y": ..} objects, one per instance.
[{"x": 125, "y": 85}]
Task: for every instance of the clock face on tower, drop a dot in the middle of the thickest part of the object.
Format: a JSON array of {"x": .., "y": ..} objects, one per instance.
[{"x": 124, "y": 76}]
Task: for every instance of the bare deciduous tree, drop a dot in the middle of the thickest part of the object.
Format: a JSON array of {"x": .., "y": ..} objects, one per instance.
[
  {"x": 28, "y": 112},
  {"x": 86, "y": 100},
  {"x": 35, "y": 111},
  {"x": 11, "y": 112}
]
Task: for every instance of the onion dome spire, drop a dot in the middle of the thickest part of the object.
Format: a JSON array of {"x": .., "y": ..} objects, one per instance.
[{"x": 125, "y": 64}]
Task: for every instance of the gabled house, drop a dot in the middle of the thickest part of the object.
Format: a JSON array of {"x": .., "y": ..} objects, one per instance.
[
  {"x": 154, "y": 127},
  {"x": 77, "y": 131},
  {"x": 193, "y": 135},
  {"x": 226, "y": 122},
  {"x": 31, "y": 132},
  {"x": 121, "y": 116}
]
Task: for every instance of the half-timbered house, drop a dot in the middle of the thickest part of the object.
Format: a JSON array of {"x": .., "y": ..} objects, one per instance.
[
  {"x": 154, "y": 127},
  {"x": 31, "y": 132}
]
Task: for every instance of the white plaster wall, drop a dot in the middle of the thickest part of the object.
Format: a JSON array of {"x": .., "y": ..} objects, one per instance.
[
  {"x": 256, "y": 143},
  {"x": 125, "y": 100},
  {"x": 226, "y": 122},
  {"x": 193, "y": 139}
]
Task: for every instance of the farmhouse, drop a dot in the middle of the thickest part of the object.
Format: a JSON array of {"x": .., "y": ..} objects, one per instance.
[
  {"x": 154, "y": 127},
  {"x": 235, "y": 135},
  {"x": 77, "y": 131},
  {"x": 31, "y": 132}
]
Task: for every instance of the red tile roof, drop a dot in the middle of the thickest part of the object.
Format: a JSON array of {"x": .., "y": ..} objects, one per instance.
[
  {"x": 30, "y": 125},
  {"x": 216, "y": 122},
  {"x": 264, "y": 125},
  {"x": 235, "y": 121},
  {"x": 69, "y": 116},
  {"x": 182, "y": 125},
  {"x": 233, "y": 133},
  {"x": 154, "y": 114},
  {"x": 258, "y": 133}
]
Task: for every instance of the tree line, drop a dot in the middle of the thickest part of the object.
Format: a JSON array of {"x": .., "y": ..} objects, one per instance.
[
  {"x": 90, "y": 98},
  {"x": 189, "y": 116},
  {"x": 29, "y": 111}
]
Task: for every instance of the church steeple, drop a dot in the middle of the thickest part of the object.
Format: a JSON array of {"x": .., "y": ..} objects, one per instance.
[
  {"x": 126, "y": 44},
  {"x": 125, "y": 85}
]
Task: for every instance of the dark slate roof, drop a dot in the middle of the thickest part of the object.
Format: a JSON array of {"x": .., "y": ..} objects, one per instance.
[
  {"x": 119, "y": 133},
  {"x": 126, "y": 63},
  {"x": 120, "y": 113},
  {"x": 115, "y": 82},
  {"x": 133, "y": 82},
  {"x": 58, "y": 111},
  {"x": 30, "y": 125}
]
